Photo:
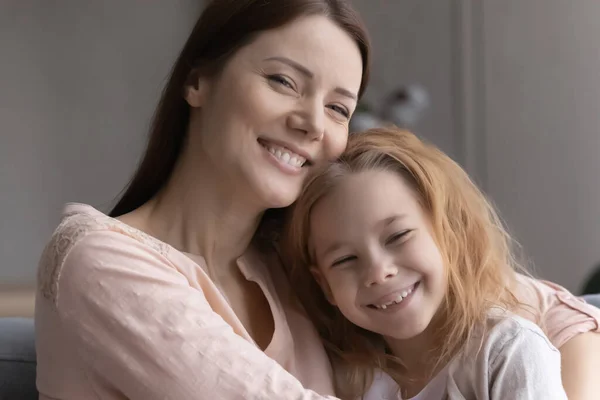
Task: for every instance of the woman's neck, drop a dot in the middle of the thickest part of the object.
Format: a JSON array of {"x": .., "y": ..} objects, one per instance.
[{"x": 199, "y": 214}]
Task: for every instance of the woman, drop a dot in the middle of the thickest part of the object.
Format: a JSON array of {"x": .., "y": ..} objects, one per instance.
[
  {"x": 173, "y": 299},
  {"x": 180, "y": 295}
]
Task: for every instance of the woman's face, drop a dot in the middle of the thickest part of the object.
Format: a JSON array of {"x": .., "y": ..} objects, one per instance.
[{"x": 280, "y": 106}]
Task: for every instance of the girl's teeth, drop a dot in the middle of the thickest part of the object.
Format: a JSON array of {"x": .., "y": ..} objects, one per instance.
[{"x": 401, "y": 297}]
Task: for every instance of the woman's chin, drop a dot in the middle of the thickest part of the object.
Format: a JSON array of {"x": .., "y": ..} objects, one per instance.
[
  {"x": 281, "y": 202},
  {"x": 280, "y": 198},
  {"x": 272, "y": 189}
]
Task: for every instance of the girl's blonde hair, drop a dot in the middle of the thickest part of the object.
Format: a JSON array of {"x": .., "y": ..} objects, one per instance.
[{"x": 477, "y": 251}]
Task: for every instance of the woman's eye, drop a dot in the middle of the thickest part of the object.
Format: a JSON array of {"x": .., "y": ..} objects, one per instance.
[
  {"x": 396, "y": 237},
  {"x": 281, "y": 80},
  {"x": 340, "y": 110},
  {"x": 343, "y": 260}
]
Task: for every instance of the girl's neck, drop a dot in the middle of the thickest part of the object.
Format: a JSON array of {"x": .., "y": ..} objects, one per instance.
[
  {"x": 419, "y": 356},
  {"x": 416, "y": 353}
]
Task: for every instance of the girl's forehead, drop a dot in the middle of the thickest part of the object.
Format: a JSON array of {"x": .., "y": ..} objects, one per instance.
[{"x": 362, "y": 203}]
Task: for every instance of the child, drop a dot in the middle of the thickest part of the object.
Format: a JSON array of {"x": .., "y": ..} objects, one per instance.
[{"x": 408, "y": 274}]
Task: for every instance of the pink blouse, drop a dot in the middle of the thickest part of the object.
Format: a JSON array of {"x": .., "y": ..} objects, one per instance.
[{"x": 121, "y": 315}]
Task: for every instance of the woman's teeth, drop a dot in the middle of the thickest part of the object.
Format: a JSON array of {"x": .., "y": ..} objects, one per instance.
[
  {"x": 286, "y": 156},
  {"x": 398, "y": 299}
]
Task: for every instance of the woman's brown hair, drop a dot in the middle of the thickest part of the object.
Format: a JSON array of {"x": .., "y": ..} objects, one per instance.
[
  {"x": 477, "y": 252},
  {"x": 224, "y": 27}
]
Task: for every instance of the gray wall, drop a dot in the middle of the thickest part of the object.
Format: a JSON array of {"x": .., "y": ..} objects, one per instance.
[
  {"x": 78, "y": 84},
  {"x": 414, "y": 42},
  {"x": 542, "y": 128}
]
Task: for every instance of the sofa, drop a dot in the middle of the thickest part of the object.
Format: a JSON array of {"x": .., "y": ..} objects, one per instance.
[{"x": 18, "y": 361}]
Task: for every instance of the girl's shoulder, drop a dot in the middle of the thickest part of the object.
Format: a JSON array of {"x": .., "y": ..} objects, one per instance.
[
  {"x": 513, "y": 355},
  {"x": 505, "y": 330},
  {"x": 504, "y": 338},
  {"x": 79, "y": 221},
  {"x": 506, "y": 349}
]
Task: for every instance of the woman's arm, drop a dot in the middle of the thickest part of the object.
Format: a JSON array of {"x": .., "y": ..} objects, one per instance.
[
  {"x": 573, "y": 327},
  {"x": 527, "y": 367},
  {"x": 580, "y": 366},
  {"x": 141, "y": 329}
]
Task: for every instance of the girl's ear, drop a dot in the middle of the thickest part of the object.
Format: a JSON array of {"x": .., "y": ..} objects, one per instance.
[{"x": 318, "y": 275}]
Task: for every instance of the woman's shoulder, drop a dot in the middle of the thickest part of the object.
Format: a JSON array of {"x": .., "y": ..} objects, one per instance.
[
  {"x": 561, "y": 314},
  {"x": 78, "y": 220},
  {"x": 84, "y": 226}
]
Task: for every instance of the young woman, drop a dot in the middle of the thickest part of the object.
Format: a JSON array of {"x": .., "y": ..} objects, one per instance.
[
  {"x": 176, "y": 297},
  {"x": 417, "y": 279}
]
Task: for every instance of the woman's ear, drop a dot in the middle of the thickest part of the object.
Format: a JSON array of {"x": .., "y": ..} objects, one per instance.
[
  {"x": 196, "y": 89},
  {"x": 318, "y": 275}
]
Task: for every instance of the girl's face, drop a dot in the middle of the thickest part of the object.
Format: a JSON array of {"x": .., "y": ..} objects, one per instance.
[
  {"x": 280, "y": 106},
  {"x": 376, "y": 258}
]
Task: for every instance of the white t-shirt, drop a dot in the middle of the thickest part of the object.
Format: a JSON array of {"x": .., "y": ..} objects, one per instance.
[
  {"x": 385, "y": 388},
  {"x": 515, "y": 361}
]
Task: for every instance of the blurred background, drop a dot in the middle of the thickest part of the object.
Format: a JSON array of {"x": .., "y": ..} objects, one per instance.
[{"x": 510, "y": 89}]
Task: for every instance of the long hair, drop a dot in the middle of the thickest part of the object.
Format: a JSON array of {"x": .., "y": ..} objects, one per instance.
[
  {"x": 477, "y": 252},
  {"x": 224, "y": 27}
]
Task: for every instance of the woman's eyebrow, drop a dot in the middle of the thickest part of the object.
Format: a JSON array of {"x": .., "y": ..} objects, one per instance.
[{"x": 296, "y": 65}]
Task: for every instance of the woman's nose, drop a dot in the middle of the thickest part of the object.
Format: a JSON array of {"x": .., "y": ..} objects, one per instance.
[{"x": 309, "y": 119}]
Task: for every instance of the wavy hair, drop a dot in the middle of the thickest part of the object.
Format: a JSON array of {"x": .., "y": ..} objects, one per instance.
[{"x": 478, "y": 253}]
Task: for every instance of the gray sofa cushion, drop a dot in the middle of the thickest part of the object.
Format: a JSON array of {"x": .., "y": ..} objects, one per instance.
[
  {"x": 17, "y": 359},
  {"x": 593, "y": 299}
]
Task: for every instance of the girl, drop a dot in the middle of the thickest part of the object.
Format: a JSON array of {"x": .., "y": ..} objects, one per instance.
[{"x": 417, "y": 279}]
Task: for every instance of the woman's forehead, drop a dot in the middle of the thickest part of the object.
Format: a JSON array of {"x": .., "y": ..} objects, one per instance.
[{"x": 315, "y": 42}]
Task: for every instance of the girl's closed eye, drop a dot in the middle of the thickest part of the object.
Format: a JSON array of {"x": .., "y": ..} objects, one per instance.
[
  {"x": 399, "y": 237},
  {"x": 342, "y": 260}
]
